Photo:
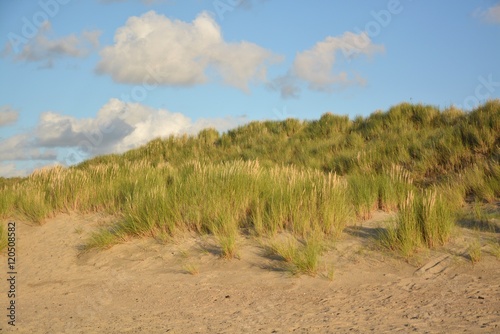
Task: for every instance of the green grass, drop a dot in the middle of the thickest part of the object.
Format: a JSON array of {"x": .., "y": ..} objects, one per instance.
[
  {"x": 225, "y": 229},
  {"x": 3, "y": 237},
  {"x": 34, "y": 206},
  {"x": 7, "y": 201},
  {"x": 363, "y": 190},
  {"x": 191, "y": 268},
  {"x": 300, "y": 177},
  {"x": 330, "y": 273},
  {"x": 484, "y": 220},
  {"x": 104, "y": 238},
  {"x": 474, "y": 251},
  {"x": 219, "y": 199},
  {"x": 300, "y": 256},
  {"x": 404, "y": 236},
  {"x": 480, "y": 216},
  {"x": 425, "y": 220},
  {"x": 495, "y": 249}
]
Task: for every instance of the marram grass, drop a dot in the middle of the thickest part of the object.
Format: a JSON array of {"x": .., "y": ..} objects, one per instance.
[
  {"x": 424, "y": 220},
  {"x": 302, "y": 177},
  {"x": 301, "y": 256},
  {"x": 216, "y": 198},
  {"x": 3, "y": 237}
]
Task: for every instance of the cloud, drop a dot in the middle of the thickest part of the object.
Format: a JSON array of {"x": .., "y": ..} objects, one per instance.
[
  {"x": 181, "y": 53},
  {"x": 10, "y": 170},
  {"x": 288, "y": 85},
  {"x": 119, "y": 126},
  {"x": 22, "y": 147},
  {"x": 43, "y": 49},
  {"x": 490, "y": 15},
  {"x": 8, "y": 115},
  {"x": 315, "y": 67}
]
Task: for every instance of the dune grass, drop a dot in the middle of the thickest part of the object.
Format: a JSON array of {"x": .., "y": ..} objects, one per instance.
[
  {"x": 191, "y": 268},
  {"x": 3, "y": 237},
  {"x": 474, "y": 251},
  {"x": 300, "y": 177},
  {"x": 222, "y": 199},
  {"x": 495, "y": 249},
  {"x": 424, "y": 220},
  {"x": 301, "y": 256}
]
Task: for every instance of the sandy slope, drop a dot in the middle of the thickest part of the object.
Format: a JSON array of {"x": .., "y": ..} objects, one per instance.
[{"x": 143, "y": 286}]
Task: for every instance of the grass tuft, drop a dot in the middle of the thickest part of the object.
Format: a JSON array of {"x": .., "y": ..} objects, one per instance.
[
  {"x": 424, "y": 220},
  {"x": 302, "y": 257},
  {"x": 191, "y": 268},
  {"x": 103, "y": 239},
  {"x": 474, "y": 251},
  {"x": 3, "y": 237},
  {"x": 495, "y": 249}
]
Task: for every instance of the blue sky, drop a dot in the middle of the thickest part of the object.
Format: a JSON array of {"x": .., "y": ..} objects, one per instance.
[{"x": 83, "y": 78}]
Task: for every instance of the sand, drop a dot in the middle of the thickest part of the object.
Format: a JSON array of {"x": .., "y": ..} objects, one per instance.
[{"x": 144, "y": 286}]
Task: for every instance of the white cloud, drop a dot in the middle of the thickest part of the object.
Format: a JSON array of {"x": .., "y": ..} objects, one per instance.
[
  {"x": 22, "y": 147},
  {"x": 490, "y": 15},
  {"x": 10, "y": 170},
  {"x": 8, "y": 115},
  {"x": 41, "y": 48},
  {"x": 181, "y": 53},
  {"x": 118, "y": 127},
  {"x": 288, "y": 85},
  {"x": 316, "y": 66}
]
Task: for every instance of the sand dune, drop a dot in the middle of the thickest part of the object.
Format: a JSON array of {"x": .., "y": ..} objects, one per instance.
[{"x": 144, "y": 286}]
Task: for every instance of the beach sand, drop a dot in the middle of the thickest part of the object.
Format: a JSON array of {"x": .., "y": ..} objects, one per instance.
[{"x": 145, "y": 286}]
